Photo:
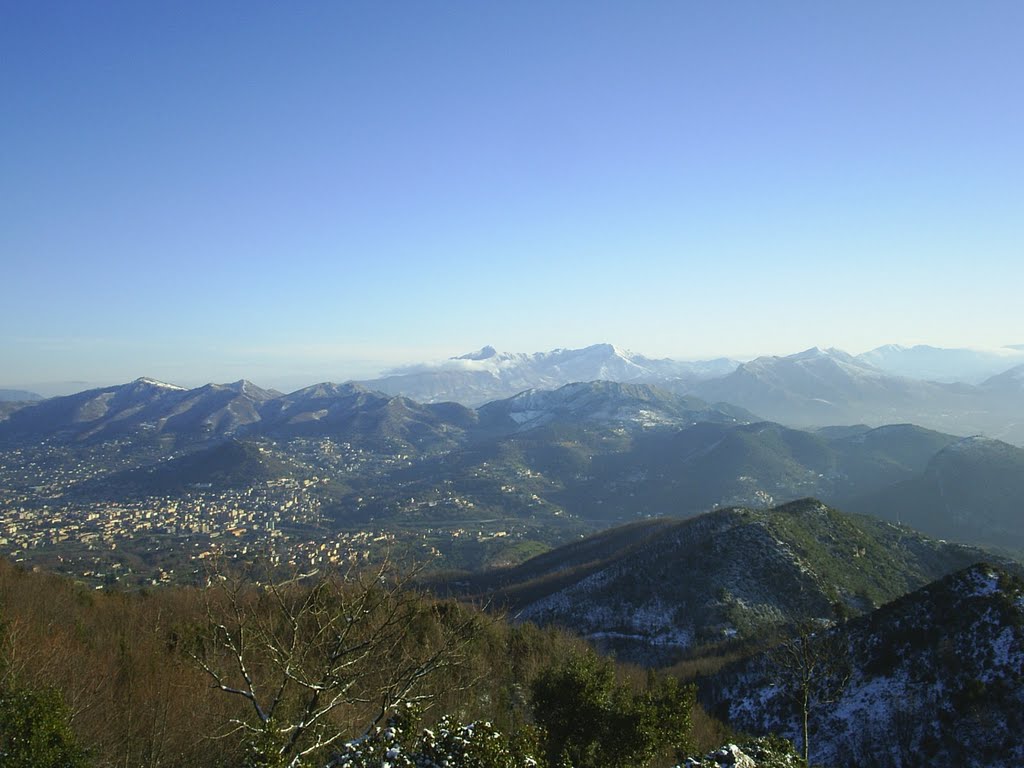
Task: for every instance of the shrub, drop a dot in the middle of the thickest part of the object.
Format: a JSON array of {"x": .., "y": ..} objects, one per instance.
[{"x": 34, "y": 731}]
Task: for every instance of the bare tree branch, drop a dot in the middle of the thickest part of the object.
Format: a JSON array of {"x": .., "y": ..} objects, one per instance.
[{"x": 303, "y": 649}]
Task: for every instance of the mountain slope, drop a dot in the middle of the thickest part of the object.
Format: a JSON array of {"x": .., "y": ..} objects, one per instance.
[
  {"x": 95, "y": 413},
  {"x": 688, "y": 471},
  {"x": 730, "y": 572},
  {"x": 973, "y": 490},
  {"x": 937, "y": 675},
  {"x": 944, "y": 365},
  {"x": 225, "y": 464},
  {"x": 604, "y": 402},
  {"x": 353, "y": 413},
  {"x": 1009, "y": 383},
  {"x": 18, "y": 396},
  {"x": 819, "y": 387}
]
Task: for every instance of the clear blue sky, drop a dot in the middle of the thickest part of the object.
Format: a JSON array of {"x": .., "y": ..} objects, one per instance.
[{"x": 293, "y": 192}]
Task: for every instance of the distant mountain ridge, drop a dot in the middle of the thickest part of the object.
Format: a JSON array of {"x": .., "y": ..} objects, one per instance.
[
  {"x": 820, "y": 387},
  {"x": 18, "y": 396},
  {"x": 479, "y": 377},
  {"x": 343, "y": 411},
  {"x": 141, "y": 406},
  {"x": 971, "y": 366},
  {"x": 606, "y": 402},
  {"x": 816, "y": 387},
  {"x": 971, "y": 490}
]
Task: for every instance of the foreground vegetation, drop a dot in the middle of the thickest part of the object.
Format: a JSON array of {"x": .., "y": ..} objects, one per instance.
[{"x": 313, "y": 670}]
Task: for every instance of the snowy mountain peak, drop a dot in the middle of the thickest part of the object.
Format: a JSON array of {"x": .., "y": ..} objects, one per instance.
[
  {"x": 816, "y": 353},
  {"x": 887, "y": 349},
  {"x": 484, "y": 353},
  {"x": 808, "y": 354},
  {"x": 608, "y": 349}
]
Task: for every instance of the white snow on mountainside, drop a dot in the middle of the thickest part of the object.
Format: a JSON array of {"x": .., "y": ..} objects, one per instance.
[
  {"x": 487, "y": 374},
  {"x": 934, "y": 673},
  {"x": 155, "y": 383}
]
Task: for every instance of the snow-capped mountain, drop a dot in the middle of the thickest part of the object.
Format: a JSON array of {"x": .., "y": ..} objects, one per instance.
[
  {"x": 487, "y": 374},
  {"x": 940, "y": 364}
]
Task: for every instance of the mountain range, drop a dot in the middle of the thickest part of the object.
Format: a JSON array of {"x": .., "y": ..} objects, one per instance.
[
  {"x": 342, "y": 411},
  {"x": 961, "y": 391},
  {"x": 18, "y": 396},
  {"x": 819, "y": 387},
  {"x": 711, "y": 466},
  {"x": 971, "y": 366},
  {"x": 479, "y": 377},
  {"x": 598, "y": 453},
  {"x": 487, "y": 374}
]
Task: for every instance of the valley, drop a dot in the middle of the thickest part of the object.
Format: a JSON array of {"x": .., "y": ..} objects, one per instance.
[
  {"x": 139, "y": 483},
  {"x": 665, "y": 529}
]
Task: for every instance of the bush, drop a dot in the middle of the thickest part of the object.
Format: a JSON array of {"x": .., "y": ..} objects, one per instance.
[
  {"x": 592, "y": 721},
  {"x": 34, "y": 731}
]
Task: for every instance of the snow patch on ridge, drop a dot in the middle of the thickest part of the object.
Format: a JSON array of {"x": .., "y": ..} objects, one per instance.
[{"x": 156, "y": 383}]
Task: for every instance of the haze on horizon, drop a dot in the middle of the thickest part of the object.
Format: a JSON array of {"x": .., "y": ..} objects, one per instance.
[{"x": 206, "y": 192}]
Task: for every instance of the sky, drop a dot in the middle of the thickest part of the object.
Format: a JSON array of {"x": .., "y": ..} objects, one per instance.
[{"x": 308, "y": 191}]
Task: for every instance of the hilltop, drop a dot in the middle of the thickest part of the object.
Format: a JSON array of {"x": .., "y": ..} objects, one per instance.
[{"x": 655, "y": 589}]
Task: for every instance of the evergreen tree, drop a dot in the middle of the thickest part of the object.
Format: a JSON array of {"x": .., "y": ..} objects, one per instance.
[
  {"x": 593, "y": 721},
  {"x": 35, "y": 731}
]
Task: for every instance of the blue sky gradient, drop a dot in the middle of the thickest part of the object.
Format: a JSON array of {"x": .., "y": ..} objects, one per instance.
[{"x": 309, "y": 191}]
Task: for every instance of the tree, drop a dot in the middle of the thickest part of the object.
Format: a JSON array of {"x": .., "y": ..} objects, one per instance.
[
  {"x": 301, "y": 653},
  {"x": 813, "y": 668},
  {"x": 593, "y": 721},
  {"x": 35, "y": 731}
]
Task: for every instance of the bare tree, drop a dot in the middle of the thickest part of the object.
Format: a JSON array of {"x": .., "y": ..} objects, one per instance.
[
  {"x": 302, "y": 652},
  {"x": 813, "y": 668}
]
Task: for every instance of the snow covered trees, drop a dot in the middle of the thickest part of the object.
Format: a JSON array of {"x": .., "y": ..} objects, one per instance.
[{"x": 446, "y": 745}]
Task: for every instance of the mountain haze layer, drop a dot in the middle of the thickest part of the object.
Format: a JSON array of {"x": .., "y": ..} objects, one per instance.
[
  {"x": 820, "y": 387},
  {"x": 970, "y": 366}
]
